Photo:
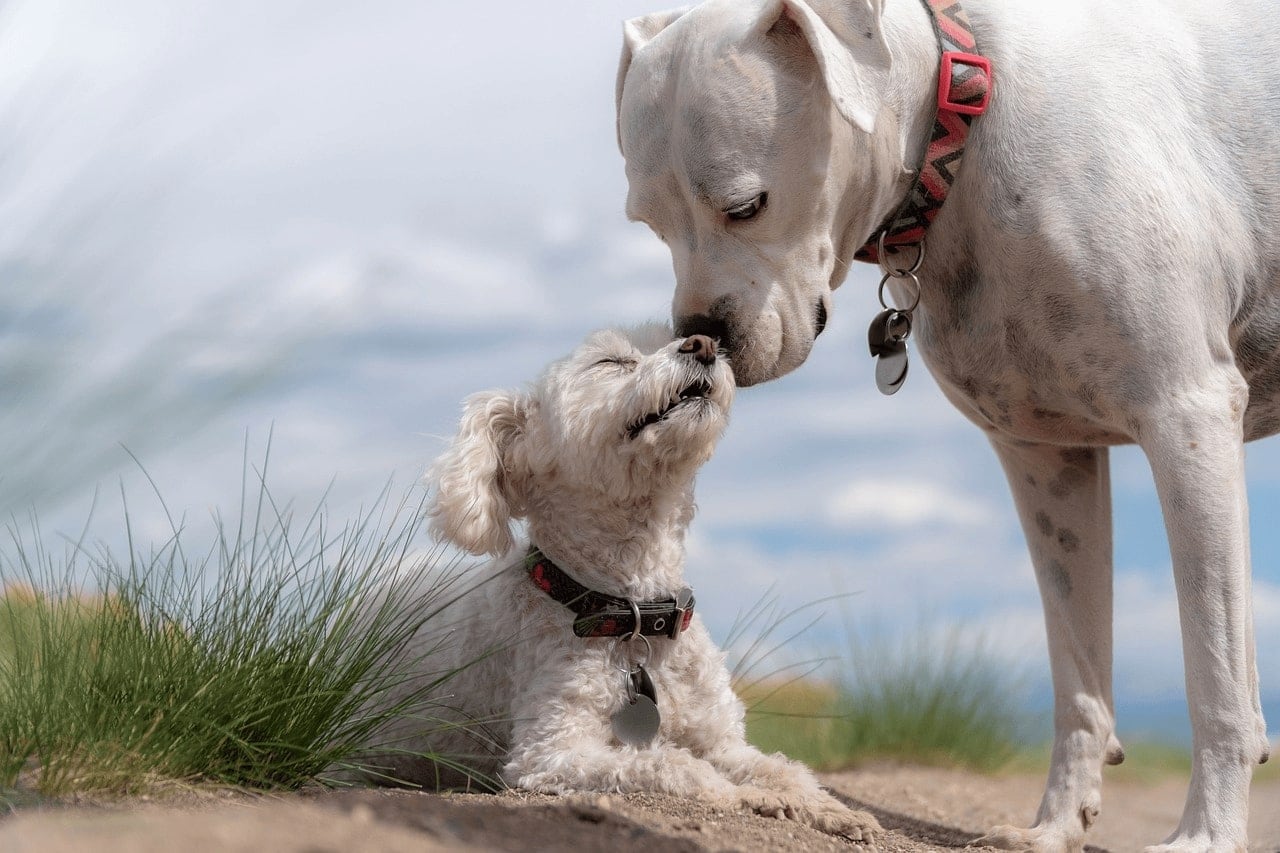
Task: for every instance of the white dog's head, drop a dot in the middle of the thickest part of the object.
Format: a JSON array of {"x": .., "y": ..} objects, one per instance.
[
  {"x": 628, "y": 416},
  {"x": 759, "y": 147}
]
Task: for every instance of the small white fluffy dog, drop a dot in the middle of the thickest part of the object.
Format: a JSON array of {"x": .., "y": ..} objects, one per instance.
[{"x": 599, "y": 458}]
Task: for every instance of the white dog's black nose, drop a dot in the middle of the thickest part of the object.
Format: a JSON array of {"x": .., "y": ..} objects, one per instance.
[
  {"x": 700, "y": 347},
  {"x": 702, "y": 324}
]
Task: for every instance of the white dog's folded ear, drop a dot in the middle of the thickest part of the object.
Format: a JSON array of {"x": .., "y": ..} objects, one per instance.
[
  {"x": 636, "y": 33},
  {"x": 851, "y": 52},
  {"x": 478, "y": 489}
]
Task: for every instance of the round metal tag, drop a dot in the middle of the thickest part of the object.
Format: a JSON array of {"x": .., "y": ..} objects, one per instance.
[
  {"x": 891, "y": 371},
  {"x": 636, "y": 723}
]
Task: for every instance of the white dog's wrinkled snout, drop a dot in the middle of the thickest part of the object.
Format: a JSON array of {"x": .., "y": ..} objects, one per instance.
[
  {"x": 762, "y": 343},
  {"x": 717, "y": 326}
]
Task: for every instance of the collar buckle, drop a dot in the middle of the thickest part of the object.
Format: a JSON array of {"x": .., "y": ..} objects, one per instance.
[
  {"x": 684, "y": 604},
  {"x": 964, "y": 91},
  {"x": 964, "y": 83}
]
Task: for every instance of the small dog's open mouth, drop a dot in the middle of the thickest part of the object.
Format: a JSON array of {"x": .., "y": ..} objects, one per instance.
[{"x": 695, "y": 390}]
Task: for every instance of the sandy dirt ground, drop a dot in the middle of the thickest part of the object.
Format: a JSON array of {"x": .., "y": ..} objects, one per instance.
[{"x": 922, "y": 809}]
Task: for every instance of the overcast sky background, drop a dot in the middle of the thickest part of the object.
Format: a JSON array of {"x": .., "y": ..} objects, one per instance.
[{"x": 340, "y": 219}]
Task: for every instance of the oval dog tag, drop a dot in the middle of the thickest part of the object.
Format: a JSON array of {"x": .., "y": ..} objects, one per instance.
[
  {"x": 636, "y": 723},
  {"x": 887, "y": 341},
  {"x": 891, "y": 369}
]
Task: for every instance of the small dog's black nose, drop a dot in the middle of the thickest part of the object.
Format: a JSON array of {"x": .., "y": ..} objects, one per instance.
[{"x": 700, "y": 347}]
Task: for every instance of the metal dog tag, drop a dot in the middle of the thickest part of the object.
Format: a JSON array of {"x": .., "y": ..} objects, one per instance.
[
  {"x": 636, "y": 723},
  {"x": 887, "y": 340},
  {"x": 891, "y": 370}
]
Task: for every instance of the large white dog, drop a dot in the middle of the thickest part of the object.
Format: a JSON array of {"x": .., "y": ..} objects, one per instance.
[{"x": 1105, "y": 271}]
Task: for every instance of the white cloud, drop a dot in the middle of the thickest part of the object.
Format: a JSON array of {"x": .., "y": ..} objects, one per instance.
[
  {"x": 896, "y": 503},
  {"x": 471, "y": 286}
]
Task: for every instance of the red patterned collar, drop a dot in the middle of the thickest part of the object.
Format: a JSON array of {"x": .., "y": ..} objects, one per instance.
[
  {"x": 964, "y": 89},
  {"x": 604, "y": 615}
]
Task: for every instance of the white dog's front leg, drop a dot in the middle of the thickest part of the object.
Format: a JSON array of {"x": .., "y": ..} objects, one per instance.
[
  {"x": 1063, "y": 497},
  {"x": 564, "y": 767},
  {"x": 1194, "y": 442},
  {"x": 567, "y": 746},
  {"x": 571, "y": 750}
]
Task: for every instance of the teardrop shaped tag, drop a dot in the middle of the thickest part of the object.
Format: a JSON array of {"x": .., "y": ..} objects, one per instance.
[
  {"x": 878, "y": 332},
  {"x": 888, "y": 329},
  {"x": 642, "y": 683},
  {"x": 891, "y": 369},
  {"x": 636, "y": 722}
]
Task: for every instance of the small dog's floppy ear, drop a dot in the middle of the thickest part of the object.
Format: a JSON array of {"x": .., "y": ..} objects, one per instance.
[
  {"x": 851, "y": 52},
  {"x": 636, "y": 33},
  {"x": 477, "y": 492}
]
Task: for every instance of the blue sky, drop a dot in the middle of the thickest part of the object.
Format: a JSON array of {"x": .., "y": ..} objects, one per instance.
[{"x": 219, "y": 219}]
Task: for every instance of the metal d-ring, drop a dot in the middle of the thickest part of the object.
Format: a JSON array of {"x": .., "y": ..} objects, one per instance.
[
  {"x": 633, "y": 666},
  {"x": 905, "y": 275},
  {"x": 635, "y": 620},
  {"x": 883, "y": 257}
]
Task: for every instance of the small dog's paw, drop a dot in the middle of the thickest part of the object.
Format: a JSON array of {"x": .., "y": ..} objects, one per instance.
[
  {"x": 826, "y": 814},
  {"x": 764, "y": 803},
  {"x": 836, "y": 818}
]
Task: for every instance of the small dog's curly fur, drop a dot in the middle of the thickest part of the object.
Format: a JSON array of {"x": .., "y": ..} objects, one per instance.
[{"x": 599, "y": 458}]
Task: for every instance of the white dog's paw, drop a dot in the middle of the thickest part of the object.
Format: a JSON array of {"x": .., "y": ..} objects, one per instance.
[
  {"x": 1195, "y": 845},
  {"x": 823, "y": 813},
  {"x": 1040, "y": 839}
]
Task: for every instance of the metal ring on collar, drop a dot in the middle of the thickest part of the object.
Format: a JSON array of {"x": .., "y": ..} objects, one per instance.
[
  {"x": 633, "y": 666},
  {"x": 635, "y": 624},
  {"x": 914, "y": 302},
  {"x": 883, "y": 256}
]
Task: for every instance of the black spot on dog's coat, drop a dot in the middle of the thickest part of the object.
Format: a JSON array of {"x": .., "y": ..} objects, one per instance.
[
  {"x": 1060, "y": 578},
  {"x": 1044, "y": 523}
]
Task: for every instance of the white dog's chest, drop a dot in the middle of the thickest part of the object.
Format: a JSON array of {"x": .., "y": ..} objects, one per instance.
[
  {"x": 1017, "y": 389},
  {"x": 1065, "y": 365}
]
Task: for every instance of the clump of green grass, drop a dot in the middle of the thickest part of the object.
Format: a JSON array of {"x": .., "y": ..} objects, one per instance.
[
  {"x": 929, "y": 699},
  {"x": 933, "y": 698},
  {"x": 254, "y": 665}
]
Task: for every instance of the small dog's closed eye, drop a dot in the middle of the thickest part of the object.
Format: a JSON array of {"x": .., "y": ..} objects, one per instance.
[{"x": 579, "y": 648}]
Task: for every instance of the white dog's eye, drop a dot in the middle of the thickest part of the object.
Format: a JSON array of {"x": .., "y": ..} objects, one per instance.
[
  {"x": 748, "y": 209},
  {"x": 628, "y": 363}
]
